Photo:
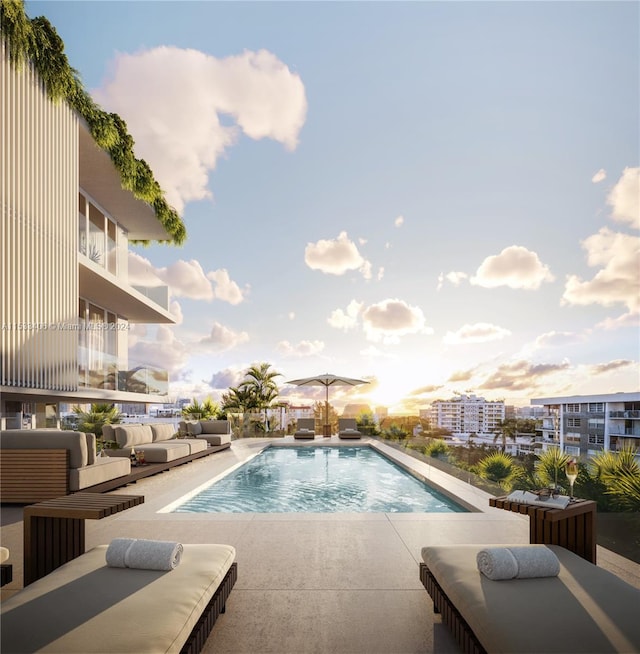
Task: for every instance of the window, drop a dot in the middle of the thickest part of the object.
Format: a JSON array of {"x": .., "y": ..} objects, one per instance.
[
  {"x": 596, "y": 407},
  {"x": 573, "y": 408},
  {"x": 596, "y": 439},
  {"x": 572, "y": 437},
  {"x": 573, "y": 422},
  {"x": 596, "y": 423}
]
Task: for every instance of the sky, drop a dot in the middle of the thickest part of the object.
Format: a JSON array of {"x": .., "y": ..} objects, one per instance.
[{"x": 436, "y": 197}]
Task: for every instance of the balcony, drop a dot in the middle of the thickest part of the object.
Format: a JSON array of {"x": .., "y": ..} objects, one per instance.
[
  {"x": 103, "y": 371},
  {"x": 626, "y": 415}
]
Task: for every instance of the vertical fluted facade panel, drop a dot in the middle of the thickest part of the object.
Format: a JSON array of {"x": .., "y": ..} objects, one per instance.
[{"x": 38, "y": 234}]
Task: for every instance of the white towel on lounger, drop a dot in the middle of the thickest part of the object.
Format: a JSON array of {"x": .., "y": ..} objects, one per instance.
[
  {"x": 144, "y": 554},
  {"x": 517, "y": 562},
  {"x": 497, "y": 563}
]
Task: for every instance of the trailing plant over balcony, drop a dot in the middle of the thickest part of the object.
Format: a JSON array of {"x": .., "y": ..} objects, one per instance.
[{"x": 36, "y": 41}]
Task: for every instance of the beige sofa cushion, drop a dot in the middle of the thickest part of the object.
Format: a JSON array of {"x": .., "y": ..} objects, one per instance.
[
  {"x": 162, "y": 431},
  {"x": 215, "y": 426},
  {"x": 194, "y": 427},
  {"x": 85, "y": 607},
  {"x": 48, "y": 439},
  {"x": 128, "y": 436},
  {"x": 584, "y": 609},
  {"x": 104, "y": 469},
  {"x": 91, "y": 448},
  {"x": 213, "y": 439},
  {"x": 161, "y": 452}
]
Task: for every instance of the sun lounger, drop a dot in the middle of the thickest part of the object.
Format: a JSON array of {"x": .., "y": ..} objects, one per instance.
[
  {"x": 306, "y": 428},
  {"x": 583, "y": 609},
  {"x": 348, "y": 428},
  {"x": 86, "y": 607}
]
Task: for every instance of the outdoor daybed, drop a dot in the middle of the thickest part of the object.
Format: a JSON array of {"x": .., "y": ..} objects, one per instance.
[
  {"x": 87, "y": 607},
  {"x": 583, "y": 609},
  {"x": 40, "y": 464},
  {"x": 306, "y": 428},
  {"x": 348, "y": 428}
]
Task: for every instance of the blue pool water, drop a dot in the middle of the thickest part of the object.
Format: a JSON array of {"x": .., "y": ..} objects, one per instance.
[{"x": 319, "y": 480}]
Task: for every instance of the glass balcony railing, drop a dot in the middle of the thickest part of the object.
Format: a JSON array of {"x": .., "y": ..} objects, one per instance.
[
  {"x": 103, "y": 371},
  {"x": 628, "y": 415},
  {"x": 157, "y": 294}
]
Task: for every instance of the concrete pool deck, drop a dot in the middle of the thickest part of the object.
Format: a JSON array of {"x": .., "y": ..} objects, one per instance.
[{"x": 316, "y": 583}]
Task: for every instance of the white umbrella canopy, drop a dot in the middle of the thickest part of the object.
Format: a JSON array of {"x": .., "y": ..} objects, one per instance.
[{"x": 327, "y": 380}]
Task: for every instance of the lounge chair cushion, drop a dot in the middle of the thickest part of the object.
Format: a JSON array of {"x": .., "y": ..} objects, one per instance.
[
  {"x": 87, "y": 607},
  {"x": 212, "y": 439},
  {"x": 584, "y": 609},
  {"x": 194, "y": 428},
  {"x": 48, "y": 439},
  {"x": 103, "y": 469},
  {"x": 215, "y": 427}
]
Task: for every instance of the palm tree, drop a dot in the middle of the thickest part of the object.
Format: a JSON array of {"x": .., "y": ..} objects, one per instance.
[
  {"x": 208, "y": 410},
  {"x": 620, "y": 473},
  {"x": 260, "y": 382},
  {"x": 90, "y": 422},
  {"x": 550, "y": 466},
  {"x": 512, "y": 428},
  {"x": 500, "y": 468}
]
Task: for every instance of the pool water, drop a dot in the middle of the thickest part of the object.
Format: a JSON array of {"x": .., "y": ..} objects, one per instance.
[{"x": 312, "y": 479}]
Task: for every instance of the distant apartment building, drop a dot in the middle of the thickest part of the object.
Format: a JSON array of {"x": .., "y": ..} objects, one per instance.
[
  {"x": 66, "y": 304},
  {"x": 467, "y": 414},
  {"x": 583, "y": 425}
]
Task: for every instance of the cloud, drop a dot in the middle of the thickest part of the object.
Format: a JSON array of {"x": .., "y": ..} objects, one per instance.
[
  {"x": 521, "y": 375},
  {"x": 302, "y": 349},
  {"x": 462, "y": 375},
  {"x": 599, "y": 176},
  {"x": 558, "y": 339},
  {"x": 609, "y": 366},
  {"x": 480, "y": 332},
  {"x": 347, "y": 319},
  {"x": 399, "y": 221},
  {"x": 380, "y": 274},
  {"x": 165, "y": 351},
  {"x": 226, "y": 378},
  {"x": 224, "y": 288},
  {"x": 392, "y": 318},
  {"x": 222, "y": 338},
  {"x": 515, "y": 267},
  {"x": 455, "y": 278},
  {"x": 624, "y": 198},
  {"x": 186, "y": 279},
  {"x": 617, "y": 282},
  {"x": 176, "y": 311},
  {"x": 172, "y": 100},
  {"x": 630, "y": 319},
  {"x": 336, "y": 256}
]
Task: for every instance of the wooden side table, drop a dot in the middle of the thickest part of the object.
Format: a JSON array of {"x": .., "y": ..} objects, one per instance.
[
  {"x": 54, "y": 530},
  {"x": 573, "y": 528}
]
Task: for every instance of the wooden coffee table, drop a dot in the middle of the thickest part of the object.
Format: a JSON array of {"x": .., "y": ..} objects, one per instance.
[{"x": 54, "y": 530}]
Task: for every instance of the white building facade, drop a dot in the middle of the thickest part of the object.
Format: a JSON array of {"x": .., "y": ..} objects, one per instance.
[
  {"x": 66, "y": 303},
  {"x": 467, "y": 414},
  {"x": 584, "y": 425}
]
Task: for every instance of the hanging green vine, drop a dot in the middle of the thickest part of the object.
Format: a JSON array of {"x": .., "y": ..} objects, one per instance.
[{"x": 37, "y": 41}]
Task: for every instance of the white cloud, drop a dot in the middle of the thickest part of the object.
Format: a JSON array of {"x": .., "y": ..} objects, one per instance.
[
  {"x": 380, "y": 273},
  {"x": 599, "y": 176},
  {"x": 165, "y": 351},
  {"x": 515, "y": 267},
  {"x": 222, "y": 338},
  {"x": 176, "y": 311},
  {"x": 480, "y": 332},
  {"x": 301, "y": 349},
  {"x": 186, "y": 279},
  {"x": 172, "y": 100},
  {"x": 617, "y": 281},
  {"x": 141, "y": 271},
  {"x": 224, "y": 288},
  {"x": 336, "y": 256},
  {"x": 291, "y": 315},
  {"x": 625, "y": 198},
  {"x": 399, "y": 221},
  {"x": 557, "y": 339},
  {"x": 347, "y": 319},
  {"x": 455, "y": 278},
  {"x": 390, "y": 319}
]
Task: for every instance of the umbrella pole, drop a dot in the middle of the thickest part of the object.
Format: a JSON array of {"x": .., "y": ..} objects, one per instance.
[{"x": 326, "y": 432}]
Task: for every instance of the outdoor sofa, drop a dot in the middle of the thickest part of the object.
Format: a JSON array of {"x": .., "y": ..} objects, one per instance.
[
  {"x": 40, "y": 464},
  {"x": 159, "y": 442},
  {"x": 348, "y": 428},
  {"x": 87, "y": 607},
  {"x": 584, "y": 609},
  {"x": 305, "y": 428},
  {"x": 215, "y": 432}
]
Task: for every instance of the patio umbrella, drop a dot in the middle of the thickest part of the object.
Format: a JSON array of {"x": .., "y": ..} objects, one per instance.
[{"x": 327, "y": 380}]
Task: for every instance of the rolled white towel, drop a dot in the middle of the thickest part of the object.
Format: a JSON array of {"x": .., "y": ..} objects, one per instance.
[
  {"x": 153, "y": 555},
  {"x": 535, "y": 561},
  {"x": 497, "y": 563},
  {"x": 116, "y": 552}
]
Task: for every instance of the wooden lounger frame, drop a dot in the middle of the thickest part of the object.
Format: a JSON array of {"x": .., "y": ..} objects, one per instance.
[
  {"x": 461, "y": 631},
  {"x": 214, "y": 608}
]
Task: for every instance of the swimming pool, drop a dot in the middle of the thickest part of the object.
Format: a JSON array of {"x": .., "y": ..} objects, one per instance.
[{"x": 319, "y": 479}]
